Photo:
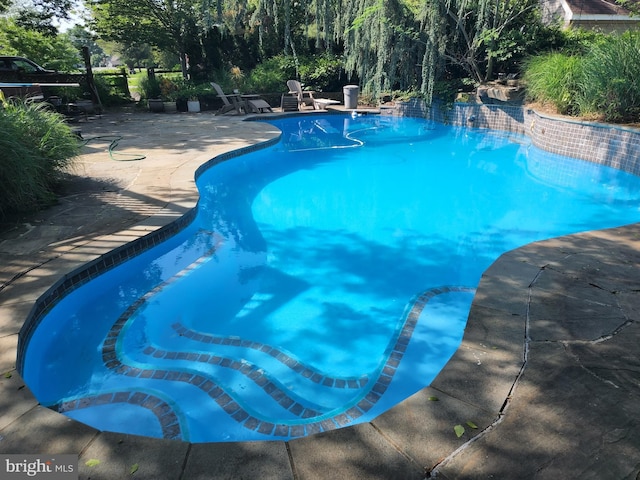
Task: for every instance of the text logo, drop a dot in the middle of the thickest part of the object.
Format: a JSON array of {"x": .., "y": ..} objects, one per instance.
[{"x": 49, "y": 467}]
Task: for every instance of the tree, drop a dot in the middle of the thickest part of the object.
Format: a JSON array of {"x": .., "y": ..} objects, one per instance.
[
  {"x": 284, "y": 22},
  {"x": 387, "y": 44},
  {"x": 380, "y": 44},
  {"x": 55, "y": 9},
  {"x": 38, "y": 15},
  {"x": 137, "y": 55},
  {"x": 632, "y": 6},
  {"x": 207, "y": 32},
  {"x": 36, "y": 20},
  {"x": 51, "y": 52},
  {"x": 81, "y": 37},
  {"x": 473, "y": 34},
  {"x": 166, "y": 24}
]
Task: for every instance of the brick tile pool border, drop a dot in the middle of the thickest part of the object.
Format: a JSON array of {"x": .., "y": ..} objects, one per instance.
[{"x": 309, "y": 421}]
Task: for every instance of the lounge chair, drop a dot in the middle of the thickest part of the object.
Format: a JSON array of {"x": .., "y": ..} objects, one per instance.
[
  {"x": 230, "y": 102},
  {"x": 289, "y": 103},
  {"x": 258, "y": 105},
  {"x": 305, "y": 97}
]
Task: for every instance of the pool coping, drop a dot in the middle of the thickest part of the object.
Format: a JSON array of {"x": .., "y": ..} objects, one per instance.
[{"x": 478, "y": 387}]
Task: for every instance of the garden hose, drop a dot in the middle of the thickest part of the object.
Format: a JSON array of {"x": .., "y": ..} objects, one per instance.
[{"x": 115, "y": 140}]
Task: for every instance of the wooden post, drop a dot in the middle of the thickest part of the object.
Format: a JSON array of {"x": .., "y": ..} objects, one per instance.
[
  {"x": 95, "y": 98},
  {"x": 125, "y": 81}
]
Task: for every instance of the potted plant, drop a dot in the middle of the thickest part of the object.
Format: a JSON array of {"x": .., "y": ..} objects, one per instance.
[
  {"x": 167, "y": 90},
  {"x": 188, "y": 92},
  {"x": 237, "y": 76},
  {"x": 150, "y": 90},
  {"x": 193, "y": 104}
]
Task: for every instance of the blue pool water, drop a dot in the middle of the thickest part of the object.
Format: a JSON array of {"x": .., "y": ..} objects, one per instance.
[{"x": 324, "y": 280}]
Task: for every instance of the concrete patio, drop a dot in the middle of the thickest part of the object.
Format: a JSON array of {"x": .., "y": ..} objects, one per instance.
[{"x": 548, "y": 370}]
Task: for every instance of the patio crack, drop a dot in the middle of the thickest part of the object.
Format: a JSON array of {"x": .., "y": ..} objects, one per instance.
[{"x": 434, "y": 470}]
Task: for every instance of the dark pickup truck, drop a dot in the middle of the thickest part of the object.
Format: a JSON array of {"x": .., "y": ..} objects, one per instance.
[{"x": 19, "y": 66}]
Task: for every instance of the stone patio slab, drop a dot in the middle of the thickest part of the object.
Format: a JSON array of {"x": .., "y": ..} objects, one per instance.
[
  {"x": 561, "y": 423},
  {"x": 231, "y": 461},
  {"x": 41, "y": 430},
  {"x": 356, "y": 453},
  {"x": 113, "y": 456},
  {"x": 423, "y": 425}
]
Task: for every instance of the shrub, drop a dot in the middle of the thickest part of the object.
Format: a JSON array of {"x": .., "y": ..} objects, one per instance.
[
  {"x": 271, "y": 75},
  {"x": 554, "y": 78},
  {"x": 35, "y": 146},
  {"x": 149, "y": 87},
  {"x": 576, "y": 41},
  {"x": 602, "y": 81},
  {"x": 111, "y": 89},
  {"x": 323, "y": 73},
  {"x": 610, "y": 83},
  {"x": 188, "y": 90}
]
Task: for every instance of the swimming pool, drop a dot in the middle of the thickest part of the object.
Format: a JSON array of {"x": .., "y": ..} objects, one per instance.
[{"x": 324, "y": 258}]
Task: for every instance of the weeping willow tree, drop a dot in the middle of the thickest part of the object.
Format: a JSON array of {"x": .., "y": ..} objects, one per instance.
[
  {"x": 325, "y": 13},
  {"x": 387, "y": 44},
  {"x": 227, "y": 15},
  {"x": 472, "y": 35},
  {"x": 409, "y": 44},
  {"x": 293, "y": 20},
  {"x": 380, "y": 46}
]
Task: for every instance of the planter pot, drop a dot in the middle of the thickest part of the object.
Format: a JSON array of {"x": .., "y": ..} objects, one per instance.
[
  {"x": 155, "y": 105},
  {"x": 170, "y": 107},
  {"x": 181, "y": 105},
  {"x": 85, "y": 106},
  {"x": 193, "y": 105}
]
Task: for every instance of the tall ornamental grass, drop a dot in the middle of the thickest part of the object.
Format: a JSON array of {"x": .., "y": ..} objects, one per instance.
[
  {"x": 36, "y": 145},
  {"x": 602, "y": 83},
  {"x": 553, "y": 79},
  {"x": 610, "y": 81}
]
